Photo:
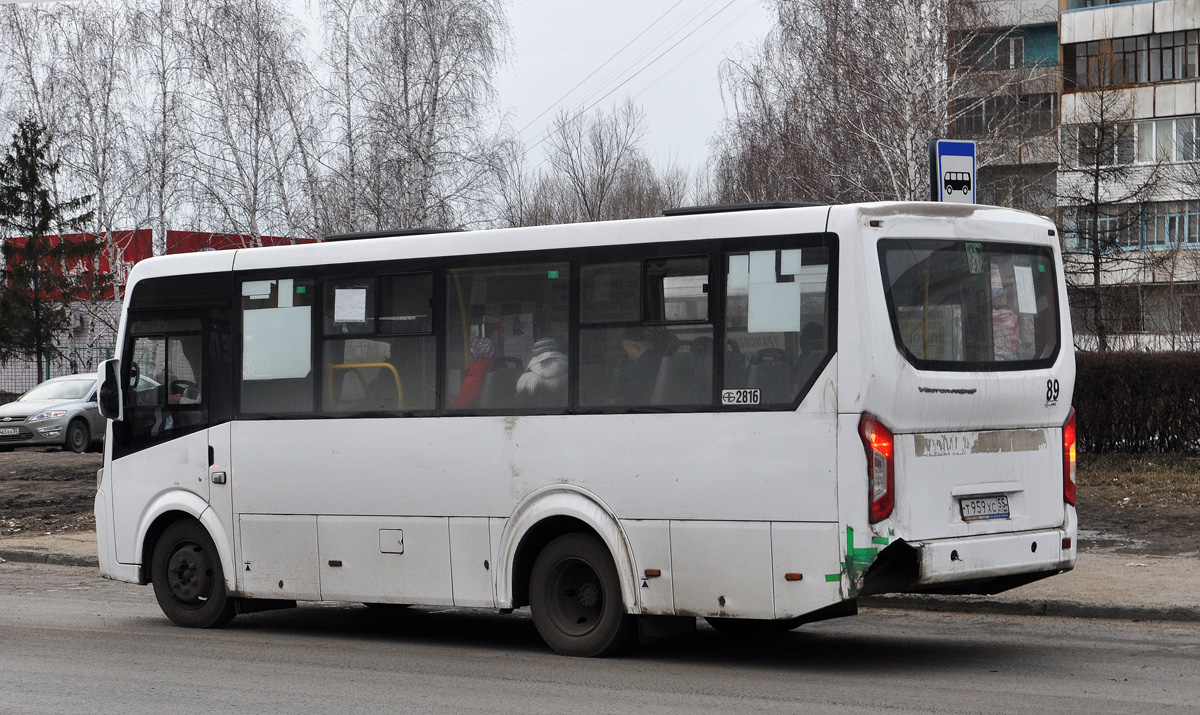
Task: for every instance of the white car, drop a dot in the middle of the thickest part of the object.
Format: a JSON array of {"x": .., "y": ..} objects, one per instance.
[{"x": 60, "y": 411}]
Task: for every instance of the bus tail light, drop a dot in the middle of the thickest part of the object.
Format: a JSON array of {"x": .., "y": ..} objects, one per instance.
[
  {"x": 881, "y": 466},
  {"x": 1069, "y": 459}
]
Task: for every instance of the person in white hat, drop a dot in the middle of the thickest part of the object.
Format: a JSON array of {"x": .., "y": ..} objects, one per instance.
[{"x": 544, "y": 383}]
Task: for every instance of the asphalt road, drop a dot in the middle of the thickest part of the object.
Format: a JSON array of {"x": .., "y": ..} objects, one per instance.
[{"x": 71, "y": 642}]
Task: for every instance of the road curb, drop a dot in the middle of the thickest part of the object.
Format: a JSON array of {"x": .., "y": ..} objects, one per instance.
[
  {"x": 45, "y": 557},
  {"x": 1031, "y": 607}
]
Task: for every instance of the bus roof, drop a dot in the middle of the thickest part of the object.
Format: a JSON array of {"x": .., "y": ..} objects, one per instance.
[{"x": 400, "y": 245}]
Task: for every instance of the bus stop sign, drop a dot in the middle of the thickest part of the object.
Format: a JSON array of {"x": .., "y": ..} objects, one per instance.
[{"x": 952, "y": 171}]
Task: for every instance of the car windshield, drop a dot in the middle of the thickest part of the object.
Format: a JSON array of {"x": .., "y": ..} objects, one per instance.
[{"x": 61, "y": 390}]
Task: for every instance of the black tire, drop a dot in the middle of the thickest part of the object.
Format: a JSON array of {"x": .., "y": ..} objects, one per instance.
[
  {"x": 575, "y": 597},
  {"x": 79, "y": 437},
  {"x": 188, "y": 580},
  {"x": 752, "y": 627}
]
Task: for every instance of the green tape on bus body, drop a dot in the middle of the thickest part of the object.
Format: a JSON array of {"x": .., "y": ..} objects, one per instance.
[{"x": 858, "y": 559}]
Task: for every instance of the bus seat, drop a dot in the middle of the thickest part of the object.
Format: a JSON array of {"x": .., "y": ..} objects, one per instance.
[
  {"x": 771, "y": 374},
  {"x": 679, "y": 381},
  {"x": 500, "y": 383}
]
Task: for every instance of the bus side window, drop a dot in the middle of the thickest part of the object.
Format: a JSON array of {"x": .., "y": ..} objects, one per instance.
[
  {"x": 507, "y": 338},
  {"x": 381, "y": 363},
  {"x": 165, "y": 390},
  {"x": 646, "y": 340},
  {"x": 775, "y": 322},
  {"x": 277, "y": 342}
]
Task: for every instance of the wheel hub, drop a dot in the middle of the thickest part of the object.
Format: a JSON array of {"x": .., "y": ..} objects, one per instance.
[
  {"x": 578, "y": 600},
  {"x": 189, "y": 574}
]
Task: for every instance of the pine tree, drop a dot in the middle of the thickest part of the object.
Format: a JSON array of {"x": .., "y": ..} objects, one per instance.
[{"x": 37, "y": 289}]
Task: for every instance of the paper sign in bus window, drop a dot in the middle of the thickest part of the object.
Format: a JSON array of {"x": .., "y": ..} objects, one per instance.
[
  {"x": 1026, "y": 296},
  {"x": 350, "y": 305},
  {"x": 762, "y": 267},
  {"x": 277, "y": 343},
  {"x": 789, "y": 262},
  {"x": 774, "y": 308},
  {"x": 739, "y": 273}
]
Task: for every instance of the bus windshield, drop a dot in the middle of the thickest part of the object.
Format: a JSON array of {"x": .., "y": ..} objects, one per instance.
[{"x": 964, "y": 305}]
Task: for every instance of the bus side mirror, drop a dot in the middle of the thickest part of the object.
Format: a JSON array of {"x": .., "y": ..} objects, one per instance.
[{"x": 110, "y": 389}]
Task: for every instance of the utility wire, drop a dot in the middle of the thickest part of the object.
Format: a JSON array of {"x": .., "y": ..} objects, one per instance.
[
  {"x": 602, "y": 66},
  {"x": 633, "y": 76}
]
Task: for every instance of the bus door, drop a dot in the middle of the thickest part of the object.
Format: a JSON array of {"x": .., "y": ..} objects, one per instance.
[{"x": 172, "y": 362}]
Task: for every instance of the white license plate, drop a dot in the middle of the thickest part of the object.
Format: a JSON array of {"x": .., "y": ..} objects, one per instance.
[
  {"x": 9, "y": 431},
  {"x": 979, "y": 508}
]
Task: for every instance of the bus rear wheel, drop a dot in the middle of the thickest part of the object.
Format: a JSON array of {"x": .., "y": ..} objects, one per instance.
[
  {"x": 188, "y": 580},
  {"x": 575, "y": 597}
]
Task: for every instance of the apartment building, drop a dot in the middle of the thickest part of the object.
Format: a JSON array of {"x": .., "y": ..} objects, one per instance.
[
  {"x": 1009, "y": 103},
  {"x": 1129, "y": 174}
]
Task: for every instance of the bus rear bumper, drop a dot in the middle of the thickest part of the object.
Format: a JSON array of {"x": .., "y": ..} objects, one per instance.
[
  {"x": 985, "y": 564},
  {"x": 994, "y": 557}
]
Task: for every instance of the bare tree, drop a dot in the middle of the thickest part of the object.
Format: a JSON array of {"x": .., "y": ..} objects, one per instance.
[
  {"x": 840, "y": 102},
  {"x": 93, "y": 42},
  {"x": 1102, "y": 192},
  {"x": 590, "y": 152},
  {"x": 159, "y": 131},
  {"x": 597, "y": 171},
  {"x": 409, "y": 87},
  {"x": 243, "y": 60}
]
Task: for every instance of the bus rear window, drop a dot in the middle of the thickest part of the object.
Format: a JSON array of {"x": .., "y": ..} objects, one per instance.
[{"x": 964, "y": 305}]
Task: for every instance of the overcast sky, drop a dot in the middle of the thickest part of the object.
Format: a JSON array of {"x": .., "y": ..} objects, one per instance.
[{"x": 666, "y": 52}]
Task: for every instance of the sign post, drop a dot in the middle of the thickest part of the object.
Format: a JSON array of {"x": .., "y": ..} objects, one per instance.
[{"x": 952, "y": 171}]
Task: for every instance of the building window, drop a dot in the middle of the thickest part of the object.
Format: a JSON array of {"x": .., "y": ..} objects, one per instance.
[
  {"x": 995, "y": 52},
  {"x": 1131, "y": 60}
]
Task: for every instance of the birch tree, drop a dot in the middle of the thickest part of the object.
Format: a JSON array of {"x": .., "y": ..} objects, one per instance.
[
  {"x": 840, "y": 102},
  {"x": 410, "y": 82},
  {"x": 158, "y": 133},
  {"x": 242, "y": 60}
]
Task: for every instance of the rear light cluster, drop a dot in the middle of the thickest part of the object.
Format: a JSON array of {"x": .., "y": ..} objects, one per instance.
[
  {"x": 1069, "y": 459},
  {"x": 881, "y": 466}
]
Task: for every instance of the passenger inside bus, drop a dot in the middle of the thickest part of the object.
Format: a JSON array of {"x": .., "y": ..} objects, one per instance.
[
  {"x": 482, "y": 354},
  {"x": 544, "y": 382},
  {"x": 644, "y": 349}
]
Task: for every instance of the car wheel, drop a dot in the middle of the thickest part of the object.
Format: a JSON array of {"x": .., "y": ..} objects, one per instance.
[
  {"x": 188, "y": 580},
  {"x": 79, "y": 437},
  {"x": 575, "y": 597}
]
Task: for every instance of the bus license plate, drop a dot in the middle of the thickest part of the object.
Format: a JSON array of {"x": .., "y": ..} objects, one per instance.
[
  {"x": 979, "y": 508},
  {"x": 9, "y": 431}
]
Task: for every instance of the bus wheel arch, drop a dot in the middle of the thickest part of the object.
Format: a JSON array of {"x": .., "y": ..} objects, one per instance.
[
  {"x": 188, "y": 580},
  {"x": 175, "y": 506},
  {"x": 545, "y": 516}
]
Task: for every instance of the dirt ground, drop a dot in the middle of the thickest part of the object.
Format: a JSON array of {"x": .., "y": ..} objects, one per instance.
[{"x": 1131, "y": 503}]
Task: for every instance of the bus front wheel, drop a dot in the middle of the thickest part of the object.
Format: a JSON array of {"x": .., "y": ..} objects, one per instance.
[
  {"x": 188, "y": 581},
  {"x": 575, "y": 597}
]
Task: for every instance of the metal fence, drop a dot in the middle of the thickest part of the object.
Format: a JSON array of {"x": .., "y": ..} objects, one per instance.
[{"x": 20, "y": 374}]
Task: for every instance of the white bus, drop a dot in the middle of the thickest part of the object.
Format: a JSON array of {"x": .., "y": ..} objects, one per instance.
[{"x": 750, "y": 416}]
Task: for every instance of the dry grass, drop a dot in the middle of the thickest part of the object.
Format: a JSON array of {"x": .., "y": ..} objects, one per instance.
[{"x": 1162, "y": 480}]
